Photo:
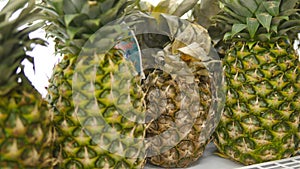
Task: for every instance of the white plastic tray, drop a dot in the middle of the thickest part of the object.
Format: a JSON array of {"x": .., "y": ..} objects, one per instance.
[
  {"x": 290, "y": 163},
  {"x": 210, "y": 160}
]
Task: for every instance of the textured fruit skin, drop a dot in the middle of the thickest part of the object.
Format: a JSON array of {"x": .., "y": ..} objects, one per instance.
[
  {"x": 25, "y": 132},
  {"x": 261, "y": 116},
  {"x": 25, "y": 135},
  {"x": 180, "y": 89},
  {"x": 84, "y": 135},
  {"x": 260, "y": 121},
  {"x": 95, "y": 98},
  {"x": 163, "y": 100}
]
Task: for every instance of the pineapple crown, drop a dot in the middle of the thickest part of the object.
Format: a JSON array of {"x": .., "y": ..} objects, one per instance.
[
  {"x": 17, "y": 20},
  {"x": 259, "y": 20},
  {"x": 74, "y": 21}
]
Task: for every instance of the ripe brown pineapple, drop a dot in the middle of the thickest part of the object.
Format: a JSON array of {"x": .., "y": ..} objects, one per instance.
[{"x": 182, "y": 98}]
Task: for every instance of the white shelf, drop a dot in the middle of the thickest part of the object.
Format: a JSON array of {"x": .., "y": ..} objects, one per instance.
[
  {"x": 209, "y": 160},
  {"x": 290, "y": 163}
]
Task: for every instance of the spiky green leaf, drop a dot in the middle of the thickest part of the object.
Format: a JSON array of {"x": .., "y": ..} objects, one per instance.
[
  {"x": 31, "y": 19},
  {"x": 78, "y": 5},
  {"x": 30, "y": 29},
  {"x": 278, "y": 19},
  {"x": 227, "y": 36},
  {"x": 238, "y": 8},
  {"x": 234, "y": 15},
  {"x": 265, "y": 20},
  {"x": 31, "y": 60},
  {"x": 258, "y": 1},
  {"x": 290, "y": 28},
  {"x": 237, "y": 28},
  {"x": 272, "y": 7},
  {"x": 288, "y": 4},
  {"x": 12, "y": 6},
  {"x": 111, "y": 14},
  {"x": 252, "y": 26},
  {"x": 260, "y": 8},
  {"x": 15, "y": 40},
  {"x": 92, "y": 24},
  {"x": 57, "y": 6},
  {"x": 274, "y": 28},
  {"x": 72, "y": 20},
  {"x": 30, "y": 5},
  {"x": 70, "y": 7},
  {"x": 289, "y": 12},
  {"x": 226, "y": 19},
  {"x": 264, "y": 37},
  {"x": 68, "y": 18},
  {"x": 250, "y": 4},
  {"x": 72, "y": 31},
  {"x": 289, "y": 24}
]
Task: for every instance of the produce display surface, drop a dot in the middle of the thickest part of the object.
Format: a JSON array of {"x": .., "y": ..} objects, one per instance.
[
  {"x": 210, "y": 160},
  {"x": 289, "y": 163}
]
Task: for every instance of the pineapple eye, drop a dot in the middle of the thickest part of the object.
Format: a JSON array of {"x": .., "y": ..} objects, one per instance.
[
  {"x": 251, "y": 120},
  {"x": 281, "y": 127},
  {"x": 263, "y": 136},
  {"x": 294, "y": 117},
  {"x": 271, "y": 115},
  {"x": 246, "y": 144},
  {"x": 251, "y": 59}
]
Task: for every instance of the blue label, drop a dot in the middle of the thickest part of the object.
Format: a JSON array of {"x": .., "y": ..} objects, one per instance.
[{"x": 132, "y": 52}]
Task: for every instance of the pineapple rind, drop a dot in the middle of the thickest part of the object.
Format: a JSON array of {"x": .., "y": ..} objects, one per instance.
[
  {"x": 182, "y": 95},
  {"x": 25, "y": 132},
  {"x": 87, "y": 95},
  {"x": 25, "y": 141},
  {"x": 97, "y": 129},
  {"x": 260, "y": 121}
]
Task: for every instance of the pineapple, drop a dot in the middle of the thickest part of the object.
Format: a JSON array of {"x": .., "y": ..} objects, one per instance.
[
  {"x": 94, "y": 95},
  {"x": 25, "y": 135},
  {"x": 183, "y": 101},
  {"x": 297, "y": 48},
  {"x": 261, "y": 117}
]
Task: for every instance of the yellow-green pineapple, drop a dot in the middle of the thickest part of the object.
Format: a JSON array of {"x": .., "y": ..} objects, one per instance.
[
  {"x": 25, "y": 135},
  {"x": 297, "y": 48},
  {"x": 260, "y": 121},
  {"x": 94, "y": 96}
]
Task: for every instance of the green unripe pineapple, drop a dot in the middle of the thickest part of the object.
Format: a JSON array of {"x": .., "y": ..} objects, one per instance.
[
  {"x": 25, "y": 134},
  {"x": 261, "y": 116},
  {"x": 94, "y": 96}
]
